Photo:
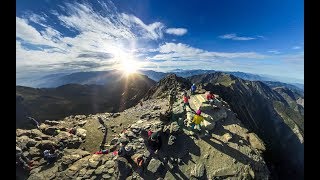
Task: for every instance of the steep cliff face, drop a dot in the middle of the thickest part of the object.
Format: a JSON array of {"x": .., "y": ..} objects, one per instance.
[
  {"x": 268, "y": 113},
  {"x": 223, "y": 148}
]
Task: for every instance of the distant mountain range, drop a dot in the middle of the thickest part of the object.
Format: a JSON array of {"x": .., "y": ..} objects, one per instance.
[
  {"x": 53, "y": 103},
  {"x": 103, "y": 77}
]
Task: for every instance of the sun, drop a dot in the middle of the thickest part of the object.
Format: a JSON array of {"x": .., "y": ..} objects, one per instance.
[{"x": 129, "y": 67}]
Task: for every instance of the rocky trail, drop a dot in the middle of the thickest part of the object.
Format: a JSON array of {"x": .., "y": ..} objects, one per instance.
[{"x": 223, "y": 150}]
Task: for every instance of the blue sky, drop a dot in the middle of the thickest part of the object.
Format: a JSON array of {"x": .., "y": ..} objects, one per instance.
[{"x": 262, "y": 37}]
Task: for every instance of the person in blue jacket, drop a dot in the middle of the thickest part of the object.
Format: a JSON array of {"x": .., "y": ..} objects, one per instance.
[{"x": 193, "y": 89}]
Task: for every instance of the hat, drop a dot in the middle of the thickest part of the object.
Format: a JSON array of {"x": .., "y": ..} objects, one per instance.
[{"x": 198, "y": 112}]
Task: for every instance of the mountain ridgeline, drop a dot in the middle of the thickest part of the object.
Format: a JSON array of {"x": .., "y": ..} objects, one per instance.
[
  {"x": 274, "y": 115},
  {"x": 55, "y": 103}
]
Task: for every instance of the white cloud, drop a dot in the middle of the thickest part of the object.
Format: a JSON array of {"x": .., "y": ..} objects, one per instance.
[
  {"x": 235, "y": 37},
  {"x": 173, "y": 51},
  {"x": 296, "y": 47},
  {"x": 98, "y": 35},
  {"x": 274, "y": 51},
  {"x": 176, "y": 31}
]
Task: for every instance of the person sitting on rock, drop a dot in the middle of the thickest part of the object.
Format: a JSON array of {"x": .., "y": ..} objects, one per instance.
[
  {"x": 197, "y": 119},
  {"x": 154, "y": 141},
  {"x": 22, "y": 160},
  {"x": 50, "y": 155},
  {"x": 186, "y": 101},
  {"x": 212, "y": 98},
  {"x": 193, "y": 89}
]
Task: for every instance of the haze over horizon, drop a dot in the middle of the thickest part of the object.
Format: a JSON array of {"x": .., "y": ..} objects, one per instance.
[{"x": 265, "y": 37}]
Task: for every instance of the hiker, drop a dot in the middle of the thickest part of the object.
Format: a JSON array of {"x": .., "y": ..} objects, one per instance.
[
  {"x": 193, "y": 89},
  {"x": 34, "y": 122},
  {"x": 50, "y": 155},
  {"x": 197, "y": 119},
  {"x": 210, "y": 97},
  {"x": 22, "y": 160},
  {"x": 213, "y": 99},
  {"x": 186, "y": 101},
  {"x": 154, "y": 141}
]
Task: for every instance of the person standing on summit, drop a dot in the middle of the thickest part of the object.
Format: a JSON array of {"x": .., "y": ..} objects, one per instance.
[{"x": 193, "y": 89}]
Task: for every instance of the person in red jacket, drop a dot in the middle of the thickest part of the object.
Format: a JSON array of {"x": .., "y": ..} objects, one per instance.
[
  {"x": 186, "y": 101},
  {"x": 210, "y": 97}
]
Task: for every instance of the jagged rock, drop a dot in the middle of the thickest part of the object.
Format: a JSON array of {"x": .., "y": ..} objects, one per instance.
[
  {"x": 156, "y": 108},
  {"x": 22, "y": 132},
  {"x": 111, "y": 171},
  {"x": 171, "y": 140},
  {"x": 49, "y": 173},
  {"x": 256, "y": 142},
  {"x": 82, "y": 123},
  {"x": 226, "y": 137},
  {"x": 124, "y": 168},
  {"x": 225, "y": 171},
  {"x": 114, "y": 141},
  {"x": 106, "y": 176},
  {"x": 94, "y": 161},
  {"x": 69, "y": 159},
  {"x": 34, "y": 152},
  {"x": 81, "y": 132},
  {"x": 155, "y": 165},
  {"x": 51, "y": 123},
  {"x": 46, "y": 144},
  {"x": 198, "y": 171},
  {"x": 110, "y": 164},
  {"x": 79, "y": 117},
  {"x": 130, "y": 134},
  {"x": 99, "y": 170},
  {"x": 88, "y": 173}
]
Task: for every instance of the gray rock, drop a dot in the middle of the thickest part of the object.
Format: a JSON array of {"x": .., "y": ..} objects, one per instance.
[
  {"x": 110, "y": 164},
  {"x": 106, "y": 176},
  {"x": 111, "y": 171},
  {"x": 51, "y": 123},
  {"x": 99, "y": 170},
  {"x": 155, "y": 166},
  {"x": 156, "y": 107},
  {"x": 94, "y": 161},
  {"x": 81, "y": 133},
  {"x": 225, "y": 171},
  {"x": 114, "y": 141}
]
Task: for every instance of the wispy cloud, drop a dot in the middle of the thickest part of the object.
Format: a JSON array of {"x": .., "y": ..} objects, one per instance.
[
  {"x": 102, "y": 37},
  {"x": 235, "y": 37},
  {"x": 176, "y": 31},
  {"x": 179, "y": 51},
  {"x": 274, "y": 51},
  {"x": 296, "y": 47}
]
